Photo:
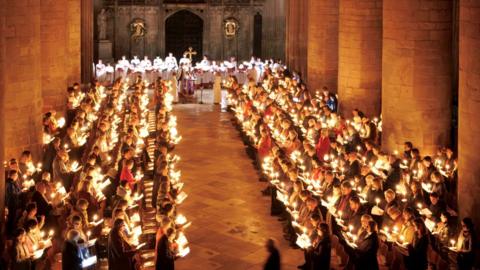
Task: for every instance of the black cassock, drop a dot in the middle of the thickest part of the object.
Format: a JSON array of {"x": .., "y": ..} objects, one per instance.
[
  {"x": 273, "y": 261},
  {"x": 366, "y": 253},
  {"x": 71, "y": 256},
  {"x": 120, "y": 254},
  {"x": 165, "y": 257},
  {"x": 321, "y": 254}
]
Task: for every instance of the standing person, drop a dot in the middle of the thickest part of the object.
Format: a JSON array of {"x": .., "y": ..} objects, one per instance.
[
  {"x": 71, "y": 255},
  {"x": 321, "y": 254},
  {"x": 217, "y": 88},
  {"x": 273, "y": 261},
  {"x": 417, "y": 250},
  {"x": 466, "y": 245},
  {"x": 12, "y": 200},
  {"x": 21, "y": 257},
  {"x": 165, "y": 251},
  {"x": 366, "y": 253},
  {"x": 120, "y": 253}
]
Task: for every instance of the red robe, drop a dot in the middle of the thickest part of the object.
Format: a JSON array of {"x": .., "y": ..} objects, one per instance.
[
  {"x": 322, "y": 147},
  {"x": 127, "y": 175},
  {"x": 264, "y": 146}
]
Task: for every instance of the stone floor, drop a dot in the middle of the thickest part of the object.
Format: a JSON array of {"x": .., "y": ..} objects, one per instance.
[{"x": 230, "y": 218}]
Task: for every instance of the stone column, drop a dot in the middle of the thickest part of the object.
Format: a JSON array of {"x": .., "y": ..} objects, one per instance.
[
  {"x": 469, "y": 110},
  {"x": 60, "y": 50},
  {"x": 360, "y": 56},
  {"x": 290, "y": 25},
  {"x": 87, "y": 40},
  {"x": 417, "y": 73},
  {"x": 322, "y": 51},
  {"x": 22, "y": 110},
  {"x": 297, "y": 35},
  {"x": 3, "y": 31},
  {"x": 302, "y": 40}
]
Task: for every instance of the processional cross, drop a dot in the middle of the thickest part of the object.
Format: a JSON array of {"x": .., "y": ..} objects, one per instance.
[{"x": 190, "y": 53}]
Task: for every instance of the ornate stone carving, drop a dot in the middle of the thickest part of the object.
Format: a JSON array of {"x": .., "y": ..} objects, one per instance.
[
  {"x": 137, "y": 29},
  {"x": 231, "y": 26}
]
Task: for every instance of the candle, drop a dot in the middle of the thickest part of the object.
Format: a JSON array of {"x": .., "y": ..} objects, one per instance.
[
  {"x": 377, "y": 201},
  {"x": 452, "y": 243}
]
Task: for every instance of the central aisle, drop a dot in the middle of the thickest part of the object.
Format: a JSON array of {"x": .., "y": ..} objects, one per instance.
[{"x": 230, "y": 218}]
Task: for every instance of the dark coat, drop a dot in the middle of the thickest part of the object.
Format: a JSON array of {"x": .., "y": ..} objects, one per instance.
[
  {"x": 120, "y": 254},
  {"x": 321, "y": 254},
  {"x": 417, "y": 254},
  {"x": 71, "y": 256},
  {"x": 273, "y": 261},
  {"x": 366, "y": 252},
  {"x": 165, "y": 257}
]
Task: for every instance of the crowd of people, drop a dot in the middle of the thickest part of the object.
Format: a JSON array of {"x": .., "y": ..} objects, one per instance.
[
  {"x": 85, "y": 200},
  {"x": 185, "y": 76},
  {"x": 332, "y": 184}
]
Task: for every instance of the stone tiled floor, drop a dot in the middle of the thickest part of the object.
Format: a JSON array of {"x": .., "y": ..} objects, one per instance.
[{"x": 230, "y": 218}]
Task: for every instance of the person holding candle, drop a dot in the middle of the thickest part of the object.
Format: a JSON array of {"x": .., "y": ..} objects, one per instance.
[
  {"x": 466, "y": 243},
  {"x": 21, "y": 256},
  {"x": 417, "y": 249},
  {"x": 12, "y": 200},
  {"x": 165, "y": 254},
  {"x": 71, "y": 254},
  {"x": 366, "y": 252},
  {"x": 30, "y": 213},
  {"x": 120, "y": 253},
  {"x": 407, "y": 231},
  {"x": 323, "y": 145}
]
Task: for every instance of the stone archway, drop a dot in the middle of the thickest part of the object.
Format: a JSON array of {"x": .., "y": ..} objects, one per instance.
[{"x": 184, "y": 29}]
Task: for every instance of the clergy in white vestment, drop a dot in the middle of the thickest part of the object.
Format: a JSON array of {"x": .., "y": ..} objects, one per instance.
[
  {"x": 100, "y": 71},
  {"x": 135, "y": 62},
  {"x": 217, "y": 88},
  {"x": 171, "y": 62},
  {"x": 109, "y": 73},
  {"x": 205, "y": 61},
  {"x": 157, "y": 62},
  {"x": 120, "y": 71},
  {"x": 185, "y": 61},
  {"x": 146, "y": 63}
]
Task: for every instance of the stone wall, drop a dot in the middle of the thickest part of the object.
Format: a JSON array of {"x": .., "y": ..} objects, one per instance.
[
  {"x": 360, "y": 56},
  {"x": 322, "y": 66},
  {"x": 60, "y": 50},
  {"x": 215, "y": 44},
  {"x": 40, "y": 56},
  {"x": 469, "y": 110},
  {"x": 297, "y": 36},
  {"x": 22, "y": 77},
  {"x": 417, "y": 73}
]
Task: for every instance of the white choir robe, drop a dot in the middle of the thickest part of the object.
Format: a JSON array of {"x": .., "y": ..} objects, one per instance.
[
  {"x": 217, "y": 89},
  {"x": 100, "y": 72},
  {"x": 109, "y": 74}
]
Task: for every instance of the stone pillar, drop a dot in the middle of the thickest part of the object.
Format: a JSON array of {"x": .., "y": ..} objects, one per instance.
[
  {"x": 60, "y": 50},
  {"x": 3, "y": 31},
  {"x": 360, "y": 56},
  {"x": 302, "y": 39},
  {"x": 22, "y": 110},
  {"x": 297, "y": 36},
  {"x": 322, "y": 51},
  {"x": 87, "y": 40},
  {"x": 469, "y": 109},
  {"x": 417, "y": 73},
  {"x": 289, "y": 27}
]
